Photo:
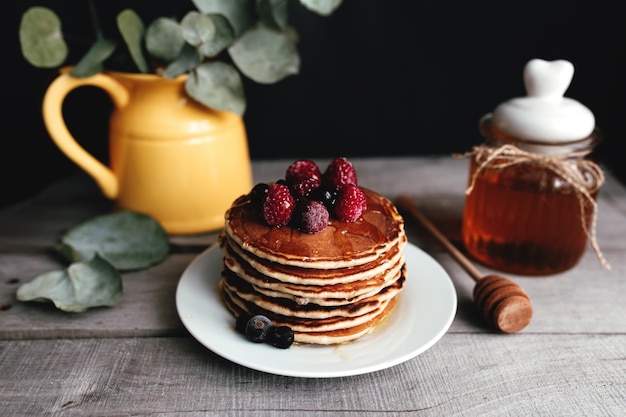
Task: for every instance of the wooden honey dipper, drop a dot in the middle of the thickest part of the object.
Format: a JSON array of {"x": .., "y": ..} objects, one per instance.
[{"x": 502, "y": 302}]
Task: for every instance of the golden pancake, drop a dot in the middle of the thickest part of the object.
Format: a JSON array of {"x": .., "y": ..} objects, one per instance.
[
  {"x": 333, "y": 293},
  {"x": 340, "y": 245},
  {"x": 329, "y": 287}
]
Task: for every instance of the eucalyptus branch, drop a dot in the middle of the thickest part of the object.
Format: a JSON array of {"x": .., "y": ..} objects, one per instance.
[
  {"x": 95, "y": 22},
  {"x": 217, "y": 44}
]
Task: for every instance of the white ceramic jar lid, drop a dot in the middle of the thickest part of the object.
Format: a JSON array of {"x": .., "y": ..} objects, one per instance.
[{"x": 545, "y": 115}]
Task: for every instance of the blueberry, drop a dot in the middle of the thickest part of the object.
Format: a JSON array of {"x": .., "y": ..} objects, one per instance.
[
  {"x": 242, "y": 322},
  {"x": 327, "y": 195},
  {"x": 258, "y": 193},
  {"x": 280, "y": 337},
  {"x": 257, "y": 328}
]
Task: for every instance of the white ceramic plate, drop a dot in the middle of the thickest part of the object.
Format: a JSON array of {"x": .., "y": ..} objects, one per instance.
[{"x": 424, "y": 312}]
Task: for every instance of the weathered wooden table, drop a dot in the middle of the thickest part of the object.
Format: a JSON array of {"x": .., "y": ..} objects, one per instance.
[{"x": 138, "y": 359}]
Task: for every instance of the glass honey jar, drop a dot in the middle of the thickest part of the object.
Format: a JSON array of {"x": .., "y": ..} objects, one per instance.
[{"x": 530, "y": 204}]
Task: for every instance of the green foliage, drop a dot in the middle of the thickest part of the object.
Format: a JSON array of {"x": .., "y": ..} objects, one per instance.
[
  {"x": 132, "y": 30},
  {"x": 265, "y": 55},
  {"x": 97, "y": 251},
  {"x": 81, "y": 286},
  {"x": 93, "y": 62},
  {"x": 126, "y": 239},
  {"x": 251, "y": 37},
  {"x": 41, "y": 38}
]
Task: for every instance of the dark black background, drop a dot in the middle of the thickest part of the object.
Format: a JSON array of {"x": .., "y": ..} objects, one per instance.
[{"x": 378, "y": 78}]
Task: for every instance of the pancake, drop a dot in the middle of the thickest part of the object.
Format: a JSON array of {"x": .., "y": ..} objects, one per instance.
[
  {"x": 340, "y": 245},
  {"x": 332, "y": 293},
  {"x": 328, "y": 332},
  {"x": 323, "y": 295},
  {"x": 329, "y": 276},
  {"x": 242, "y": 290},
  {"x": 329, "y": 287}
]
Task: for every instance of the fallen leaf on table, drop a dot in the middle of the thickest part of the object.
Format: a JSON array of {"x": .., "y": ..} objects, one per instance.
[
  {"x": 82, "y": 285},
  {"x": 98, "y": 250},
  {"x": 127, "y": 239}
]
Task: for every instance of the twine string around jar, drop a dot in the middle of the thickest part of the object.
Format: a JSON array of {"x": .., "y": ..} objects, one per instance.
[{"x": 507, "y": 155}]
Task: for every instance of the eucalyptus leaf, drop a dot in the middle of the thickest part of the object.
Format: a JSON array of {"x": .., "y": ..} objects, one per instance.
[
  {"x": 41, "y": 38},
  {"x": 224, "y": 36},
  {"x": 321, "y": 7},
  {"x": 93, "y": 61},
  {"x": 164, "y": 39},
  {"x": 238, "y": 12},
  {"x": 83, "y": 285},
  {"x": 188, "y": 59},
  {"x": 126, "y": 239},
  {"x": 210, "y": 33},
  {"x": 273, "y": 13},
  {"x": 217, "y": 85},
  {"x": 265, "y": 55},
  {"x": 132, "y": 29},
  {"x": 197, "y": 28}
]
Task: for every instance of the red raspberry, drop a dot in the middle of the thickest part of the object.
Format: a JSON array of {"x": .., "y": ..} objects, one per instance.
[
  {"x": 313, "y": 217},
  {"x": 351, "y": 203},
  {"x": 301, "y": 170},
  {"x": 304, "y": 187},
  {"x": 278, "y": 205},
  {"x": 339, "y": 173}
]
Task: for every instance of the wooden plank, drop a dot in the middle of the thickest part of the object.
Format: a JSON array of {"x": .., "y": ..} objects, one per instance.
[
  {"x": 462, "y": 375},
  {"x": 586, "y": 299},
  {"x": 147, "y": 309}
]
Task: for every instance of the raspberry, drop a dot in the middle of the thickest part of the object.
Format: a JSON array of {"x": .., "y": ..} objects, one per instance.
[
  {"x": 339, "y": 173},
  {"x": 304, "y": 187},
  {"x": 279, "y": 205},
  {"x": 301, "y": 170},
  {"x": 351, "y": 203},
  {"x": 313, "y": 216}
]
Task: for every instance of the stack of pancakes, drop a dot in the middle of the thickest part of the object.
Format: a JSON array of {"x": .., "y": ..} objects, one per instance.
[{"x": 329, "y": 287}]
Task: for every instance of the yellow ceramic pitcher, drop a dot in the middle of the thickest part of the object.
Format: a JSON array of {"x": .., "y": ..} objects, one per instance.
[{"x": 170, "y": 157}]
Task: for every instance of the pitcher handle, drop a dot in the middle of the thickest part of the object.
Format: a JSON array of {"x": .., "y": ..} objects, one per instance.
[{"x": 55, "y": 124}]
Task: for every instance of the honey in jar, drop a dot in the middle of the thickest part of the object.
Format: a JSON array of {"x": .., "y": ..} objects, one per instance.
[{"x": 530, "y": 204}]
